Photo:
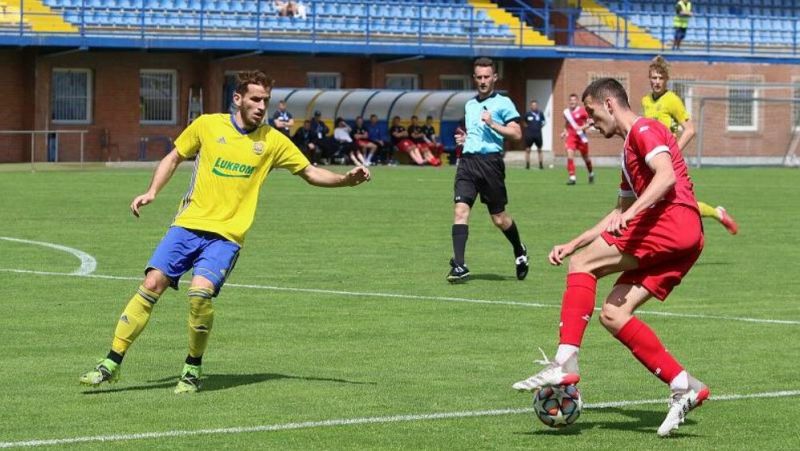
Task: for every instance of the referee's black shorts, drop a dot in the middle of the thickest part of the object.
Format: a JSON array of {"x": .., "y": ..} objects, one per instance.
[{"x": 485, "y": 175}]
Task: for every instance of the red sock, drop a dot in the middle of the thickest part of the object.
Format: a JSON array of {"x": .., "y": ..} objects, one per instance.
[
  {"x": 570, "y": 166},
  {"x": 647, "y": 348},
  {"x": 589, "y": 165},
  {"x": 577, "y": 307}
]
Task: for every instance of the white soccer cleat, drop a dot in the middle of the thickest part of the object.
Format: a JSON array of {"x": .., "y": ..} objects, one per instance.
[
  {"x": 552, "y": 374},
  {"x": 680, "y": 405}
]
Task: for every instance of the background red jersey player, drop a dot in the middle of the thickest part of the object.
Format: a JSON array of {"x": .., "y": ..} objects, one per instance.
[{"x": 574, "y": 136}]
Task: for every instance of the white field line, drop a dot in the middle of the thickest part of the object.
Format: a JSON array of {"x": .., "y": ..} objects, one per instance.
[
  {"x": 357, "y": 421},
  {"x": 88, "y": 263},
  {"x": 424, "y": 298}
]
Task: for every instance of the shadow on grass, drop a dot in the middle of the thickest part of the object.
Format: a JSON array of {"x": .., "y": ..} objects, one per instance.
[
  {"x": 493, "y": 277},
  {"x": 641, "y": 421},
  {"x": 212, "y": 382}
]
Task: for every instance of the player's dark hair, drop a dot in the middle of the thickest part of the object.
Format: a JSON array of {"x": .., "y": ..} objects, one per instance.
[
  {"x": 573, "y": 95},
  {"x": 485, "y": 62},
  {"x": 429, "y": 117},
  {"x": 414, "y": 117},
  {"x": 606, "y": 87},
  {"x": 252, "y": 77}
]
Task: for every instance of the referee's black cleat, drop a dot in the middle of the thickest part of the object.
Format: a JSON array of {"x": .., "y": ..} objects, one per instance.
[
  {"x": 522, "y": 264},
  {"x": 458, "y": 273}
]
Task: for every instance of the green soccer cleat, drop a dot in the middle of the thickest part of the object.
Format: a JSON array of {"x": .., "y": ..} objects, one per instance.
[
  {"x": 189, "y": 381},
  {"x": 105, "y": 371}
]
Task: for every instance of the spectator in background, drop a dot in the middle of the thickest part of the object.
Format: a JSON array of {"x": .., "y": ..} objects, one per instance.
[
  {"x": 361, "y": 137},
  {"x": 300, "y": 10},
  {"x": 303, "y": 140},
  {"x": 432, "y": 138},
  {"x": 345, "y": 144},
  {"x": 400, "y": 139},
  {"x": 379, "y": 136},
  {"x": 282, "y": 119},
  {"x": 683, "y": 12},
  {"x": 417, "y": 135},
  {"x": 320, "y": 138},
  {"x": 285, "y": 9},
  {"x": 534, "y": 121}
]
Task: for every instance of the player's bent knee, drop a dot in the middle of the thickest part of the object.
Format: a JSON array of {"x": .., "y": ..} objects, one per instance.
[
  {"x": 155, "y": 281},
  {"x": 580, "y": 263},
  {"x": 501, "y": 220},
  {"x": 613, "y": 318}
]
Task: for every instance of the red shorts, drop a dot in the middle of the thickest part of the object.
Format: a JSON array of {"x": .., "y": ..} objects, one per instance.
[
  {"x": 422, "y": 146},
  {"x": 436, "y": 149},
  {"x": 404, "y": 145},
  {"x": 574, "y": 142},
  {"x": 666, "y": 240},
  {"x": 363, "y": 142}
]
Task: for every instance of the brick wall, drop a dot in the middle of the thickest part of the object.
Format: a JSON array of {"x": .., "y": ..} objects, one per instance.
[
  {"x": 15, "y": 114},
  {"x": 774, "y": 122},
  {"x": 25, "y": 89}
]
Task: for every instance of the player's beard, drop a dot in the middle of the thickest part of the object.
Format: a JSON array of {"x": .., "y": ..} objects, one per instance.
[{"x": 252, "y": 119}]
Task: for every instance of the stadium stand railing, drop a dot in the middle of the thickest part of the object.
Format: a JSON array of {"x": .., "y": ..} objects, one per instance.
[{"x": 438, "y": 26}]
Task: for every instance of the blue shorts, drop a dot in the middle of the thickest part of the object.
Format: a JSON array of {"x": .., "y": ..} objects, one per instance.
[{"x": 211, "y": 256}]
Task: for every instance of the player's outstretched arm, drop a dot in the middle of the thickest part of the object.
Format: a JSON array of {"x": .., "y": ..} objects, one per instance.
[
  {"x": 166, "y": 167},
  {"x": 325, "y": 178}
]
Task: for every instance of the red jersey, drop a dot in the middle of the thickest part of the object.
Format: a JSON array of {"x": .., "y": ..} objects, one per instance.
[
  {"x": 580, "y": 117},
  {"x": 646, "y": 139}
]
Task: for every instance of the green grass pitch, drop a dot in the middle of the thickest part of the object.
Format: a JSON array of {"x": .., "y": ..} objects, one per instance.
[{"x": 339, "y": 311}]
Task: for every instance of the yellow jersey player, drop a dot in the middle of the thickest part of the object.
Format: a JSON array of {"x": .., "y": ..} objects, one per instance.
[
  {"x": 666, "y": 107},
  {"x": 233, "y": 154}
]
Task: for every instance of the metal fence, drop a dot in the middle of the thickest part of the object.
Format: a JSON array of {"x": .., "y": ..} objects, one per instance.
[{"x": 439, "y": 28}]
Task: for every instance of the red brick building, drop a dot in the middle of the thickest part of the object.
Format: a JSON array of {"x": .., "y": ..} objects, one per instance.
[{"x": 115, "y": 126}]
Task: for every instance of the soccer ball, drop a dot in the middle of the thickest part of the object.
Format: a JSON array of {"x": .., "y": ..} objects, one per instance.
[{"x": 558, "y": 406}]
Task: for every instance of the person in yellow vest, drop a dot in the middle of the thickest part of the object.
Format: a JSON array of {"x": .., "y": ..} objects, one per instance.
[
  {"x": 666, "y": 107},
  {"x": 683, "y": 11}
]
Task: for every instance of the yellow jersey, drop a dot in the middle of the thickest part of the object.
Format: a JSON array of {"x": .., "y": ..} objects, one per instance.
[
  {"x": 229, "y": 169},
  {"x": 668, "y": 110}
]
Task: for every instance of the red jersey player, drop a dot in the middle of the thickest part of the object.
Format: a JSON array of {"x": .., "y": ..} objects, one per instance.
[
  {"x": 653, "y": 237},
  {"x": 574, "y": 136}
]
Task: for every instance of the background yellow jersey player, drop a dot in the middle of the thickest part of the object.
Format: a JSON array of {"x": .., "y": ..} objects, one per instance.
[
  {"x": 666, "y": 107},
  {"x": 233, "y": 153}
]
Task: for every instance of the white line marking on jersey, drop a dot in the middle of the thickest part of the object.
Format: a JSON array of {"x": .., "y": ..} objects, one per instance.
[
  {"x": 359, "y": 421},
  {"x": 426, "y": 298},
  {"x": 88, "y": 263}
]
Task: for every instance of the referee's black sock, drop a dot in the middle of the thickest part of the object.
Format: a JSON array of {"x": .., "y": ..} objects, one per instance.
[
  {"x": 460, "y": 234},
  {"x": 512, "y": 234}
]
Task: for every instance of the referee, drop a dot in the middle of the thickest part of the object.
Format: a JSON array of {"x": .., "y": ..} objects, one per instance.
[{"x": 490, "y": 119}]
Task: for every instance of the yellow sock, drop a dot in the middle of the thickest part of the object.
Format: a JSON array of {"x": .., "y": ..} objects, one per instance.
[
  {"x": 133, "y": 320},
  {"x": 201, "y": 319},
  {"x": 707, "y": 211}
]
